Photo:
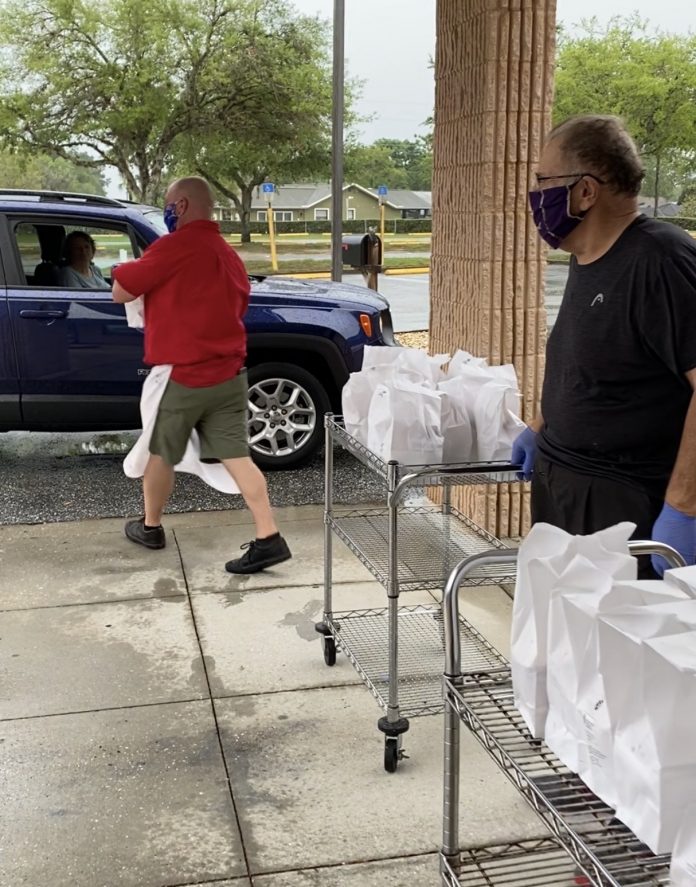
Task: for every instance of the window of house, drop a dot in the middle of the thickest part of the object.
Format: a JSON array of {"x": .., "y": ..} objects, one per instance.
[
  {"x": 282, "y": 215},
  {"x": 44, "y": 258},
  {"x": 351, "y": 212},
  {"x": 261, "y": 215},
  {"x": 321, "y": 215}
]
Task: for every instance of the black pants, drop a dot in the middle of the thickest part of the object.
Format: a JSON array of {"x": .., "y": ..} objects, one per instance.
[{"x": 582, "y": 504}]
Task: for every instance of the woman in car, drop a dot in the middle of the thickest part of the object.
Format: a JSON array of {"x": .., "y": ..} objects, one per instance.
[{"x": 80, "y": 272}]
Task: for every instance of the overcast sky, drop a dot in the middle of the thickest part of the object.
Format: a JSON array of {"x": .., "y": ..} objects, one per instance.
[{"x": 389, "y": 42}]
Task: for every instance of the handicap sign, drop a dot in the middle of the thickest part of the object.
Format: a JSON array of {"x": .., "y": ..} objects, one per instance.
[
  {"x": 383, "y": 190},
  {"x": 268, "y": 187}
]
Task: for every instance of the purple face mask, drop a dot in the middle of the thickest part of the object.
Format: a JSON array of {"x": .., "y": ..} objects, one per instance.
[{"x": 552, "y": 215}]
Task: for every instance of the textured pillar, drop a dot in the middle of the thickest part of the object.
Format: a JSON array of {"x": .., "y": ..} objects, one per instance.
[{"x": 494, "y": 85}]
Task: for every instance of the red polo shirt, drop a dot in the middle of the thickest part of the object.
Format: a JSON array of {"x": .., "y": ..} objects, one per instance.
[{"x": 196, "y": 293}]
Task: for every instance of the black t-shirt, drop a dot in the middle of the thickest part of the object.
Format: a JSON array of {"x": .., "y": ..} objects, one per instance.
[{"x": 615, "y": 395}]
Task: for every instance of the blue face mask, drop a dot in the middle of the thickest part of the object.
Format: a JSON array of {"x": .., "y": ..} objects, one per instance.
[{"x": 170, "y": 217}]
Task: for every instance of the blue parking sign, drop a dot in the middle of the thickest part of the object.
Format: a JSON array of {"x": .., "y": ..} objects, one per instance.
[
  {"x": 268, "y": 187},
  {"x": 383, "y": 190}
]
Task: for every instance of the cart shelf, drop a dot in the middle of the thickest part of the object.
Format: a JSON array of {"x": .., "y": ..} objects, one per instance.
[
  {"x": 535, "y": 863},
  {"x": 582, "y": 823},
  {"x": 430, "y": 544},
  {"x": 449, "y": 474},
  {"x": 363, "y": 636}
]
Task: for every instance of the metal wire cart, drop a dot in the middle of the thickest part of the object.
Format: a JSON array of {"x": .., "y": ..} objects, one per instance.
[
  {"x": 588, "y": 845},
  {"x": 407, "y": 545}
]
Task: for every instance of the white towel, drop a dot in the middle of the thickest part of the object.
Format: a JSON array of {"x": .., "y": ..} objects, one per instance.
[{"x": 134, "y": 464}]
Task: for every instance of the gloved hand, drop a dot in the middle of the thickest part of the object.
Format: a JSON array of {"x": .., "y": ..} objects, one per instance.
[
  {"x": 678, "y": 530},
  {"x": 524, "y": 452}
]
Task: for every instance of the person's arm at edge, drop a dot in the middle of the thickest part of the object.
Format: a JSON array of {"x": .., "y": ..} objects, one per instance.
[
  {"x": 681, "y": 492},
  {"x": 121, "y": 295},
  {"x": 537, "y": 423}
]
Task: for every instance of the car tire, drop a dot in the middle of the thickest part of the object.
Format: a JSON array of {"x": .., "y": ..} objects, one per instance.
[{"x": 286, "y": 415}]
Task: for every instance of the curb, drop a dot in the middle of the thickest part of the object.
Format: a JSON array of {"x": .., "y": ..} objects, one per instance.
[{"x": 326, "y": 275}]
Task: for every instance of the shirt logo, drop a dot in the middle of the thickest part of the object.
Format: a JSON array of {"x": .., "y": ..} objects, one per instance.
[{"x": 598, "y": 299}]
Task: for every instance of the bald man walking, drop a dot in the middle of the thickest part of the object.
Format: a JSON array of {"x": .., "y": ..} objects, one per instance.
[{"x": 196, "y": 293}]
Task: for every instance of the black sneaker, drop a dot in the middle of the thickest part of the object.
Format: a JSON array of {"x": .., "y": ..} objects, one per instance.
[
  {"x": 150, "y": 537},
  {"x": 260, "y": 554}
]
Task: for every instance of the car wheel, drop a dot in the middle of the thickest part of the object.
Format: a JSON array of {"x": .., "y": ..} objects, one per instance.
[{"x": 286, "y": 415}]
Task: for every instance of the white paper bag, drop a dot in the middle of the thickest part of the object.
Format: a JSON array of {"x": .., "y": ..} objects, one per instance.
[
  {"x": 655, "y": 754},
  {"x": 620, "y": 633},
  {"x": 682, "y": 872},
  {"x": 382, "y": 366},
  {"x": 404, "y": 423},
  {"x": 578, "y": 727},
  {"x": 412, "y": 362},
  {"x": 457, "y": 428},
  {"x": 496, "y": 420},
  {"x": 543, "y": 556},
  {"x": 462, "y": 359},
  {"x": 684, "y": 578},
  {"x": 356, "y": 397},
  {"x": 135, "y": 313}
]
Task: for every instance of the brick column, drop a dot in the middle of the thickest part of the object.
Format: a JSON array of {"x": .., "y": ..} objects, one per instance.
[{"x": 494, "y": 85}]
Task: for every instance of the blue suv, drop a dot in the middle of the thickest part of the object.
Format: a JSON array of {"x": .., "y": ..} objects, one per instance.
[{"x": 69, "y": 362}]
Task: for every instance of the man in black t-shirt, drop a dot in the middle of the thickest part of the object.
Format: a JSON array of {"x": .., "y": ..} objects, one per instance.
[{"x": 616, "y": 438}]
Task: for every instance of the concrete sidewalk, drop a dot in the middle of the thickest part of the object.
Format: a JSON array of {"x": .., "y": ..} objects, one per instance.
[{"x": 165, "y": 723}]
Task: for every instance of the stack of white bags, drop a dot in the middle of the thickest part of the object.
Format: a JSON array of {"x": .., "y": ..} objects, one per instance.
[
  {"x": 604, "y": 669},
  {"x": 402, "y": 405}
]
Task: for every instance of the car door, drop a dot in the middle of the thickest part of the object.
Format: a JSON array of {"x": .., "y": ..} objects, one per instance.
[
  {"x": 80, "y": 364},
  {"x": 10, "y": 417}
]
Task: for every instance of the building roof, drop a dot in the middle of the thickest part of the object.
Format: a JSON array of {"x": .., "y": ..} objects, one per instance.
[
  {"x": 408, "y": 199},
  {"x": 306, "y": 195}
]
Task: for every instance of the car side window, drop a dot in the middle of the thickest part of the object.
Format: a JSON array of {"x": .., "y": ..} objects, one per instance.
[{"x": 70, "y": 255}]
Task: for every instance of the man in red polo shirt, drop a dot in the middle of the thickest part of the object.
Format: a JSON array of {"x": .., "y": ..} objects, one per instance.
[{"x": 196, "y": 293}]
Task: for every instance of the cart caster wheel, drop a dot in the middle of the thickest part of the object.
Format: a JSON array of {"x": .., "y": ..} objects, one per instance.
[
  {"x": 329, "y": 651},
  {"x": 391, "y": 753}
]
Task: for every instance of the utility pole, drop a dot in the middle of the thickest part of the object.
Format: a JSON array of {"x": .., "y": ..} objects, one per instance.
[{"x": 339, "y": 21}]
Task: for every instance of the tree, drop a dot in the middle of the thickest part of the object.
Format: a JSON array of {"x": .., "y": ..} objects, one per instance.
[
  {"x": 373, "y": 165},
  {"x": 289, "y": 139},
  {"x": 398, "y": 163},
  {"x": 649, "y": 79},
  {"x": 688, "y": 201},
  {"x": 39, "y": 172},
  {"x": 415, "y": 157},
  {"x": 125, "y": 80}
]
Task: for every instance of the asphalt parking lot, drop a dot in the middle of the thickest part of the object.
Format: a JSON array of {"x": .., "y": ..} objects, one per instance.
[{"x": 47, "y": 478}]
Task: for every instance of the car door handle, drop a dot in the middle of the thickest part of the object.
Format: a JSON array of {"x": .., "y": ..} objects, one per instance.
[{"x": 29, "y": 314}]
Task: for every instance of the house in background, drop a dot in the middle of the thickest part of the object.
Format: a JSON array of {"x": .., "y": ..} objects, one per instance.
[{"x": 312, "y": 203}]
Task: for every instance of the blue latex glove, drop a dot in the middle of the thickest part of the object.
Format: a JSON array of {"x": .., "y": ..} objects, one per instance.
[
  {"x": 524, "y": 452},
  {"x": 678, "y": 530}
]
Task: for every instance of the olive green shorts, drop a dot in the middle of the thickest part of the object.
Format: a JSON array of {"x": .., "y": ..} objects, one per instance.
[{"x": 218, "y": 413}]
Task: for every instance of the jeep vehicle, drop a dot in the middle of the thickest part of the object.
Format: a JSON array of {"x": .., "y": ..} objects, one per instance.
[{"x": 70, "y": 362}]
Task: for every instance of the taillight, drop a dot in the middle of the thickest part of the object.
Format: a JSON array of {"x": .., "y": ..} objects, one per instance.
[{"x": 366, "y": 324}]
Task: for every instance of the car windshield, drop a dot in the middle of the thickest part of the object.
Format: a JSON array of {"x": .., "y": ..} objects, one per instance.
[{"x": 154, "y": 217}]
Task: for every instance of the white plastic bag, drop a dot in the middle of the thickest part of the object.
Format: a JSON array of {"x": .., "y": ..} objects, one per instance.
[
  {"x": 404, "y": 423},
  {"x": 655, "y": 754},
  {"x": 578, "y": 726},
  {"x": 543, "y": 557}
]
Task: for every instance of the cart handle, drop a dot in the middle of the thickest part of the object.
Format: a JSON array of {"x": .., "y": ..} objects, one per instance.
[{"x": 450, "y": 602}]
